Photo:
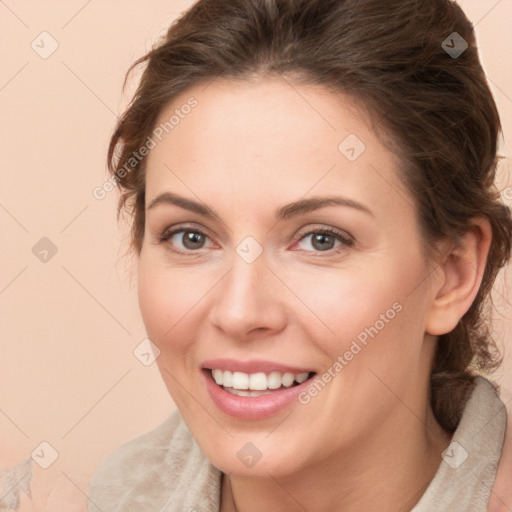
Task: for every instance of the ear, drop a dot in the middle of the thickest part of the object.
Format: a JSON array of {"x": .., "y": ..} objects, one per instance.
[{"x": 461, "y": 270}]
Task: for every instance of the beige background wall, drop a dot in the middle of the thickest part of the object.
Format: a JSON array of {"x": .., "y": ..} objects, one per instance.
[{"x": 69, "y": 325}]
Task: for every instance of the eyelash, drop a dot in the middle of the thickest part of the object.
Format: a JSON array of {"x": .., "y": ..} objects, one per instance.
[{"x": 345, "y": 240}]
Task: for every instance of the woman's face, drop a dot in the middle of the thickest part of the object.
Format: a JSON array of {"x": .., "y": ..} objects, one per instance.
[{"x": 261, "y": 278}]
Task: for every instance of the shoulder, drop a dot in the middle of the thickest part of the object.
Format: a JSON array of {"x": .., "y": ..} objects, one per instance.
[{"x": 153, "y": 471}]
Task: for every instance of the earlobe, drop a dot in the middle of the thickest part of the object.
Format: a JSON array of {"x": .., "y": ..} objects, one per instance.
[{"x": 462, "y": 269}]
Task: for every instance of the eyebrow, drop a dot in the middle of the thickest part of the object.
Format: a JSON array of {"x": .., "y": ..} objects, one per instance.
[{"x": 287, "y": 211}]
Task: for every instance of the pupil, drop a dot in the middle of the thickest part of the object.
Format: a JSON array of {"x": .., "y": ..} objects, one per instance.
[
  {"x": 192, "y": 240},
  {"x": 322, "y": 239}
]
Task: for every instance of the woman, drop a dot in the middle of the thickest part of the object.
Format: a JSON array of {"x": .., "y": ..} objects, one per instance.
[{"x": 317, "y": 232}]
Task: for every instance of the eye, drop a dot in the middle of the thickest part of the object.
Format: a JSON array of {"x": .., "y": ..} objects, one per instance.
[
  {"x": 190, "y": 239},
  {"x": 185, "y": 240},
  {"x": 324, "y": 240}
]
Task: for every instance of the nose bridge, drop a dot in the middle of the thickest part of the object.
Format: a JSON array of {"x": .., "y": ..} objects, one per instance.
[
  {"x": 245, "y": 300},
  {"x": 244, "y": 287}
]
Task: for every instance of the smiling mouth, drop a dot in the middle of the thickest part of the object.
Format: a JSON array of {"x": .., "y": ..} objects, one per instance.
[{"x": 257, "y": 384}]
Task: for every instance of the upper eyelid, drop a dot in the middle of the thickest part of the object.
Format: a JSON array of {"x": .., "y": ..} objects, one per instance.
[
  {"x": 300, "y": 232},
  {"x": 172, "y": 230}
]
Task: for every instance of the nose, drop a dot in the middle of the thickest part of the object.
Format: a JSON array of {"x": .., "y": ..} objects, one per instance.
[{"x": 249, "y": 300}]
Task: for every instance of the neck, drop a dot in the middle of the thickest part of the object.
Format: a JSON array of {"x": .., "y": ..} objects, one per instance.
[{"x": 383, "y": 474}]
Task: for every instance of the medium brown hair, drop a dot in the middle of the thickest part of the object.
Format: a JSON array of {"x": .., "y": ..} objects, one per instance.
[{"x": 394, "y": 56}]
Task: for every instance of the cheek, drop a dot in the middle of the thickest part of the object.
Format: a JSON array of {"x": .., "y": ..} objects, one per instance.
[
  {"x": 173, "y": 303},
  {"x": 368, "y": 313},
  {"x": 349, "y": 300},
  {"x": 153, "y": 301},
  {"x": 165, "y": 296},
  {"x": 166, "y": 301}
]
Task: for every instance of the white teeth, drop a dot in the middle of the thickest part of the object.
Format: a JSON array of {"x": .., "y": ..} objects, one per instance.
[
  {"x": 241, "y": 392},
  {"x": 240, "y": 380},
  {"x": 217, "y": 376},
  {"x": 274, "y": 380},
  {"x": 287, "y": 379},
  {"x": 256, "y": 381},
  {"x": 300, "y": 377},
  {"x": 227, "y": 379}
]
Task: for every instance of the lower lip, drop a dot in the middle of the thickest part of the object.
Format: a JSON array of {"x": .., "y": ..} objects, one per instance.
[{"x": 252, "y": 407}]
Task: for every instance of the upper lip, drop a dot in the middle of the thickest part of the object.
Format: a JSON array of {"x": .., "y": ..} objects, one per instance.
[{"x": 252, "y": 366}]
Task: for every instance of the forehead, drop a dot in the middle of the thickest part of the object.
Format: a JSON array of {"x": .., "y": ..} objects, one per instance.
[{"x": 267, "y": 138}]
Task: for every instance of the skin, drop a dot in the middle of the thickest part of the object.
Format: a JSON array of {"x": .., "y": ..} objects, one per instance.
[{"x": 245, "y": 150}]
